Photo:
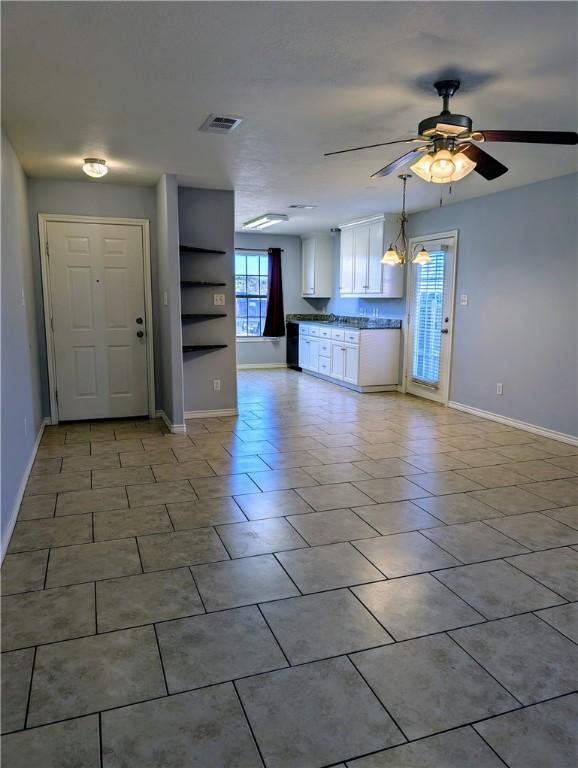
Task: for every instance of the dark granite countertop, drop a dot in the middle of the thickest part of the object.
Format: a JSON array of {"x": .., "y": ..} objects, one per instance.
[{"x": 346, "y": 321}]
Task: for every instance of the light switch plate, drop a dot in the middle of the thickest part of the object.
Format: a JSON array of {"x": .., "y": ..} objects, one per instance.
[
  {"x": 166, "y": 299},
  {"x": 219, "y": 299},
  {"x": 464, "y": 299}
]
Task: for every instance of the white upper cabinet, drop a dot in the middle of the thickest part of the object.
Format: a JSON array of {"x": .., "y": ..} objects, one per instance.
[
  {"x": 317, "y": 266},
  {"x": 346, "y": 262},
  {"x": 361, "y": 270}
]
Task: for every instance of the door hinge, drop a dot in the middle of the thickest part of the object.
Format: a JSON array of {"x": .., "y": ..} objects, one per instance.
[
  {"x": 52, "y": 325},
  {"x": 47, "y": 250},
  {"x": 56, "y": 394}
]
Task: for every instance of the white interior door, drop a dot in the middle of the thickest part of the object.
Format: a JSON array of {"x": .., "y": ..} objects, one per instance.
[
  {"x": 97, "y": 289},
  {"x": 430, "y": 318}
]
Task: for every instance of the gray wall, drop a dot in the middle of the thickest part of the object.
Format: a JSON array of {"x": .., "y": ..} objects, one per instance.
[
  {"x": 341, "y": 306},
  {"x": 206, "y": 220},
  {"x": 264, "y": 351},
  {"x": 518, "y": 263},
  {"x": 169, "y": 351},
  {"x": 90, "y": 198},
  {"x": 20, "y": 382}
]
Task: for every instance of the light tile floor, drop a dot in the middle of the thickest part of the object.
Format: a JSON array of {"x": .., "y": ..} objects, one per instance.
[{"x": 328, "y": 579}]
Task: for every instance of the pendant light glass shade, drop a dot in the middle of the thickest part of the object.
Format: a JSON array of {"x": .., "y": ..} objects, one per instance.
[
  {"x": 443, "y": 167},
  {"x": 391, "y": 256},
  {"x": 422, "y": 257}
]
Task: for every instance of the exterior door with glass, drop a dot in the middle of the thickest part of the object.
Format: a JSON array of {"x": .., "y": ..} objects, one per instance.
[{"x": 430, "y": 318}]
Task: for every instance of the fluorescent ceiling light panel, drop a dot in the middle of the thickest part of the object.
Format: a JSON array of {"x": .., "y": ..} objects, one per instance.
[{"x": 266, "y": 220}]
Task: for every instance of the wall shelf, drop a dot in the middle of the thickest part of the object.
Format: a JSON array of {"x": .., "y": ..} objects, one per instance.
[
  {"x": 199, "y": 284},
  {"x": 202, "y": 316},
  {"x": 202, "y": 347},
  {"x": 193, "y": 249}
]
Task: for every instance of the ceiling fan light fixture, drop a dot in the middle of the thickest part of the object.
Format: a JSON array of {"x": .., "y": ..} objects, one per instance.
[
  {"x": 464, "y": 166},
  {"x": 391, "y": 256},
  {"x": 94, "y": 167},
  {"x": 422, "y": 257},
  {"x": 443, "y": 166}
]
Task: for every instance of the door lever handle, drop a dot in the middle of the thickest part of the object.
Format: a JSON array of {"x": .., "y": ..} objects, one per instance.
[
  {"x": 444, "y": 330},
  {"x": 140, "y": 334}
]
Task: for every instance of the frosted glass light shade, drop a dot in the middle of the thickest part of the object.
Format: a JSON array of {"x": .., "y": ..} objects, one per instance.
[
  {"x": 391, "y": 256},
  {"x": 94, "y": 167},
  {"x": 442, "y": 167},
  {"x": 422, "y": 257}
]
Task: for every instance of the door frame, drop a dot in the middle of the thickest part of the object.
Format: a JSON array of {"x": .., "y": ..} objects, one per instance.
[
  {"x": 43, "y": 220},
  {"x": 413, "y": 241}
]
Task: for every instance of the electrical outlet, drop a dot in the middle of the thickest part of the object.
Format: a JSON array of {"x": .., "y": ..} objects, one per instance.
[
  {"x": 216, "y": 385},
  {"x": 219, "y": 299},
  {"x": 464, "y": 299},
  {"x": 499, "y": 388}
]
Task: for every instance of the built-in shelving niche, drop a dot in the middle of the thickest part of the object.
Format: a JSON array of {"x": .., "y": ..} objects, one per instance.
[
  {"x": 202, "y": 347},
  {"x": 196, "y": 317}
]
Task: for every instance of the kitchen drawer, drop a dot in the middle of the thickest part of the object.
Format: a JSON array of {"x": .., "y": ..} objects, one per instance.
[
  {"x": 303, "y": 330},
  {"x": 325, "y": 333},
  {"x": 337, "y": 335},
  {"x": 313, "y": 330},
  {"x": 325, "y": 365},
  {"x": 352, "y": 337},
  {"x": 325, "y": 348}
]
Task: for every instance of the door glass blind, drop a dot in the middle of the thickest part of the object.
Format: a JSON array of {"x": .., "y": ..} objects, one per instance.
[{"x": 427, "y": 325}]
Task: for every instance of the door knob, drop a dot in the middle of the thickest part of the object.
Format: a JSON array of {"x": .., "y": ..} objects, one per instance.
[
  {"x": 140, "y": 334},
  {"x": 139, "y": 320},
  {"x": 444, "y": 330}
]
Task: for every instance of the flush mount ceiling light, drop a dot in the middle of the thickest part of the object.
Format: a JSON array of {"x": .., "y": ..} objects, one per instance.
[
  {"x": 266, "y": 220},
  {"x": 95, "y": 167},
  {"x": 303, "y": 207},
  {"x": 396, "y": 254},
  {"x": 443, "y": 166}
]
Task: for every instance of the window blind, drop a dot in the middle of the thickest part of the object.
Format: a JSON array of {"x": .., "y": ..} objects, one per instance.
[{"x": 427, "y": 321}]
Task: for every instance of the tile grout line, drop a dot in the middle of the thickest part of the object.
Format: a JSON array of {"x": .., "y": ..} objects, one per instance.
[
  {"x": 479, "y": 664},
  {"x": 29, "y": 697}
]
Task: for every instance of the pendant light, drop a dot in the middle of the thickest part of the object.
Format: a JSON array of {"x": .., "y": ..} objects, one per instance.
[
  {"x": 396, "y": 254},
  {"x": 422, "y": 257}
]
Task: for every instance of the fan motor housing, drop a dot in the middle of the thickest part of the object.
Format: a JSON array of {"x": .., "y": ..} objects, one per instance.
[{"x": 449, "y": 123}]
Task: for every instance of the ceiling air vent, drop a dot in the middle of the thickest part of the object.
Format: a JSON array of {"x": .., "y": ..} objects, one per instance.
[{"x": 221, "y": 123}]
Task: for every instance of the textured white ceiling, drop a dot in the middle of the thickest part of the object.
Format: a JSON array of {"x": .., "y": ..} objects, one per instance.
[{"x": 133, "y": 81}]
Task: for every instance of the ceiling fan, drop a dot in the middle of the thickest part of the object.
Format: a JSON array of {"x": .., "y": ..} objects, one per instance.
[{"x": 449, "y": 148}]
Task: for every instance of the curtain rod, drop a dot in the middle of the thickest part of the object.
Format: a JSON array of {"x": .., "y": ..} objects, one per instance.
[{"x": 259, "y": 250}]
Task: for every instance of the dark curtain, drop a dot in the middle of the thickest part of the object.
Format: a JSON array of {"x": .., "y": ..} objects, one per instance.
[{"x": 275, "y": 320}]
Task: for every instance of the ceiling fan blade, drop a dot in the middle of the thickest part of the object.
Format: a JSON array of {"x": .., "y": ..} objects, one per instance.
[
  {"x": 530, "y": 137},
  {"x": 486, "y": 165},
  {"x": 401, "y": 161},
  {"x": 371, "y": 146}
]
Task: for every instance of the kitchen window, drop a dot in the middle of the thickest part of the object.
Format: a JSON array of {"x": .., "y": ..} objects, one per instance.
[{"x": 251, "y": 292}]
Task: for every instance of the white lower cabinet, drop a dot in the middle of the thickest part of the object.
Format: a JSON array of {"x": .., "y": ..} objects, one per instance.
[
  {"x": 366, "y": 360},
  {"x": 308, "y": 353},
  {"x": 345, "y": 362}
]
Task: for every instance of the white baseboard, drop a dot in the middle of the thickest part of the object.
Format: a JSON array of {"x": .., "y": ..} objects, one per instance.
[
  {"x": 21, "y": 489},
  {"x": 176, "y": 429},
  {"x": 250, "y": 366},
  {"x": 542, "y": 431},
  {"x": 211, "y": 414}
]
